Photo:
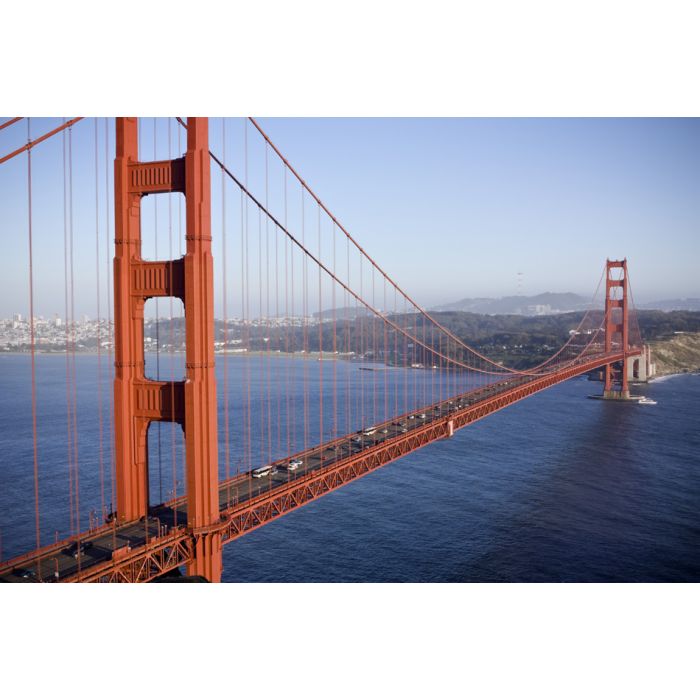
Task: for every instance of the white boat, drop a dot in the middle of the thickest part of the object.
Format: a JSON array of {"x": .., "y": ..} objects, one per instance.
[{"x": 648, "y": 402}]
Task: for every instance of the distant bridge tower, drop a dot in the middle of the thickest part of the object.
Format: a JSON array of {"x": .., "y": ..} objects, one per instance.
[
  {"x": 616, "y": 330},
  {"x": 139, "y": 401}
]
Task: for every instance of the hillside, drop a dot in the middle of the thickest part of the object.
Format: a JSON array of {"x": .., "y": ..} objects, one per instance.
[
  {"x": 680, "y": 353},
  {"x": 541, "y": 304}
]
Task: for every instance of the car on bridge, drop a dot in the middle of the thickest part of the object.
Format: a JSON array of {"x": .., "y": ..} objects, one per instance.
[
  {"x": 77, "y": 549},
  {"x": 27, "y": 574},
  {"x": 293, "y": 464}
]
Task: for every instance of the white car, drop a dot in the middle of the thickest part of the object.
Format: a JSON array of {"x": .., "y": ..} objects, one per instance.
[{"x": 294, "y": 464}]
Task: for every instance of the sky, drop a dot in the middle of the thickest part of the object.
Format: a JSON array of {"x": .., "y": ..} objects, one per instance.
[{"x": 450, "y": 208}]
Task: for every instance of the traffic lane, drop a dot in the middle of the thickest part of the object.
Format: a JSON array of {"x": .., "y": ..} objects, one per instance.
[{"x": 96, "y": 550}]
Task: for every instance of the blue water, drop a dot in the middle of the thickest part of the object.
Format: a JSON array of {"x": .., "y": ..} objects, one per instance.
[{"x": 555, "y": 488}]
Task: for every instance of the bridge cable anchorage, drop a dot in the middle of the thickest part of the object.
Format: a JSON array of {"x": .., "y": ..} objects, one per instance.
[{"x": 42, "y": 138}]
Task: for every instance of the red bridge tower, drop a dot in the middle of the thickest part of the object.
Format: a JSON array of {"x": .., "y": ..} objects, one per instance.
[
  {"x": 139, "y": 401},
  {"x": 616, "y": 329}
]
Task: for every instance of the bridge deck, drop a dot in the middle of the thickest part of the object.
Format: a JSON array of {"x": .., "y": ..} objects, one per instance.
[{"x": 145, "y": 549}]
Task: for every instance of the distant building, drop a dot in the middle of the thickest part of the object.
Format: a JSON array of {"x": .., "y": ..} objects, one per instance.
[{"x": 538, "y": 310}]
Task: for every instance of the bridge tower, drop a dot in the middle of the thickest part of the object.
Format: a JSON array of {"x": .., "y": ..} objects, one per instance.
[
  {"x": 138, "y": 401},
  {"x": 616, "y": 329}
]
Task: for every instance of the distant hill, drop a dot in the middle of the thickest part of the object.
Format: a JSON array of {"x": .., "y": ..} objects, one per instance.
[
  {"x": 545, "y": 304},
  {"x": 538, "y": 305},
  {"x": 344, "y": 313},
  {"x": 672, "y": 305}
]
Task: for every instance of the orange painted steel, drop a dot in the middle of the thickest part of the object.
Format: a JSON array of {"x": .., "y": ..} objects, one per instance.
[
  {"x": 616, "y": 328},
  {"x": 140, "y": 565},
  {"x": 137, "y": 400},
  {"x": 201, "y": 448}
]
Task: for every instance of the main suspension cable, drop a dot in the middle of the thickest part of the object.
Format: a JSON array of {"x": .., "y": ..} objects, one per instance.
[{"x": 28, "y": 146}]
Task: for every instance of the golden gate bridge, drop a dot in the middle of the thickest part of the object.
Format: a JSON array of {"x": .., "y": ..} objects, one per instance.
[{"x": 293, "y": 282}]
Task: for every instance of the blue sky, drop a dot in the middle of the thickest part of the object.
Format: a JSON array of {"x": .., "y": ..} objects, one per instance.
[
  {"x": 449, "y": 207},
  {"x": 457, "y": 207}
]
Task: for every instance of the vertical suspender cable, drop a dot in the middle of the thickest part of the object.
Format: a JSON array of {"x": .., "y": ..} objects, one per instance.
[
  {"x": 320, "y": 339},
  {"x": 261, "y": 364},
  {"x": 110, "y": 334},
  {"x": 305, "y": 310},
  {"x": 173, "y": 427},
  {"x": 361, "y": 314},
  {"x": 279, "y": 338},
  {"x": 246, "y": 310},
  {"x": 76, "y": 472},
  {"x": 67, "y": 325},
  {"x": 292, "y": 412},
  {"x": 99, "y": 335},
  {"x": 32, "y": 342},
  {"x": 335, "y": 345},
  {"x": 155, "y": 255},
  {"x": 372, "y": 352},
  {"x": 288, "y": 312},
  {"x": 385, "y": 356},
  {"x": 268, "y": 325},
  {"x": 227, "y": 438}
]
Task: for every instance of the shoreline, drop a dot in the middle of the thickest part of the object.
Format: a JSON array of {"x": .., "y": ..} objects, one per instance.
[
  {"x": 661, "y": 377},
  {"x": 326, "y": 357}
]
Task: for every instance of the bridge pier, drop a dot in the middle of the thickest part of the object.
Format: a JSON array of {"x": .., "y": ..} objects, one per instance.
[{"x": 208, "y": 560}]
